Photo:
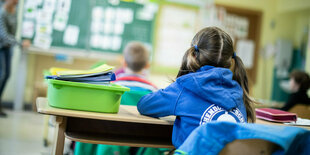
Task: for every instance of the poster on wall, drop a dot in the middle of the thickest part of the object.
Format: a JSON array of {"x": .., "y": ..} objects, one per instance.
[
  {"x": 174, "y": 44},
  {"x": 245, "y": 50}
]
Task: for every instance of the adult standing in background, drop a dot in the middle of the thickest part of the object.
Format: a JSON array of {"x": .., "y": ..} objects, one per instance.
[{"x": 8, "y": 24}]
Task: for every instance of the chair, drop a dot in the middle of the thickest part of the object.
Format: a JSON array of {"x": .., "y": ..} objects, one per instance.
[{"x": 245, "y": 138}]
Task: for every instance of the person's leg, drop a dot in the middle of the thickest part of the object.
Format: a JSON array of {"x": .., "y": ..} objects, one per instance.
[{"x": 5, "y": 67}]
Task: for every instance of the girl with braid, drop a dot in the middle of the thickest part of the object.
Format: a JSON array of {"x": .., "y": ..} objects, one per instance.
[{"x": 211, "y": 85}]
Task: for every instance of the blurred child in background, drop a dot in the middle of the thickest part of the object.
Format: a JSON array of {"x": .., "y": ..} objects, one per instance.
[
  {"x": 132, "y": 74},
  {"x": 299, "y": 85}
]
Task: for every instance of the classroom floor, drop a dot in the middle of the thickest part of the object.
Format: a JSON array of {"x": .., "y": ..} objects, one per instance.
[{"x": 22, "y": 133}]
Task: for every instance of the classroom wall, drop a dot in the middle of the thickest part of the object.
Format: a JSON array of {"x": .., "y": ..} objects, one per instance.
[
  {"x": 308, "y": 51},
  {"x": 262, "y": 87},
  {"x": 292, "y": 5},
  {"x": 281, "y": 19}
]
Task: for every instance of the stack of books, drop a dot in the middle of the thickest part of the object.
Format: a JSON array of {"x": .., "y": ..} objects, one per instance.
[{"x": 101, "y": 75}]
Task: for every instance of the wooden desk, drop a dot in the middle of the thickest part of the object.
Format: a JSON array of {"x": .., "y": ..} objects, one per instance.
[
  {"x": 127, "y": 127},
  {"x": 259, "y": 121}
]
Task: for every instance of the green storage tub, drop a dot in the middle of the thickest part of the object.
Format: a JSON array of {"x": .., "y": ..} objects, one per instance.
[{"x": 85, "y": 97}]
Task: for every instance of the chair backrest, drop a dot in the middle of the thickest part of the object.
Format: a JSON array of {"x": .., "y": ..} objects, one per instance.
[
  {"x": 249, "y": 146},
  {"x": 133, "y": 96},
  {"x": 302, "y": 110}
]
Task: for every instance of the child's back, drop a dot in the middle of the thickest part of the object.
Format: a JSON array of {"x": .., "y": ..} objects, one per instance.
[
  {"x": 136, "y": 61},
  {"x": 205, "y": 89}
]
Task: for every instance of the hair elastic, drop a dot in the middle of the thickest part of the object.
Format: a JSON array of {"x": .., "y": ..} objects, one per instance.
[
  {"x": 196, "y": 48},
  {"x": 234, "y": 55}
]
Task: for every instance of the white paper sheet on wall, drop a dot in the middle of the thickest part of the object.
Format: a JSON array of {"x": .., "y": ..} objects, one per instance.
[
  {"x": 106, "y": 42},
  {"x": 110, "y": 14},
  {"x": 44, "y": 29},
  {"x": 71, "y": 35},
  {"x": 97, "y": 27},
  {"x": 63, "y": 6},
  {"x": 97, "y": 14},
  {"x": 114, "y": 2},
  {"x": 30, "y": 9},
  {"x": 28, "y": 29},
  {"x": 108, "y": 28},
  {"x": 128, "y": 15},
  {"x": 42, "y": 41},
  {"x": 44, "y": 17},
  {"x": 117, "y": 42},
  {"x": 245, "y": 50},
  {"x": 175, "y": 35},
  {"x": 147, "y": 12},
  {"x": 119, "y": 28},
  {"x": 49, "y": 5},
  {"x": 39, "y": 2},
  {"x": 95, "y": 41},
  {"x": 60, "y": 21}
]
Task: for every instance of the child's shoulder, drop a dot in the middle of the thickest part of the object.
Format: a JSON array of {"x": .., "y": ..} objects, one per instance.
[{"x": 133, "y": 80}]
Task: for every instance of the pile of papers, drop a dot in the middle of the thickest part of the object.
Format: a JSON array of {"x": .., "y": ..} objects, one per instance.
[
  {"x": 102, "y": 75},
  {"x": 300, "y": 121}
]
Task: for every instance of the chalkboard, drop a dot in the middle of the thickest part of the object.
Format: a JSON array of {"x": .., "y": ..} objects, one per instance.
[{"x": 81, "y": 14}]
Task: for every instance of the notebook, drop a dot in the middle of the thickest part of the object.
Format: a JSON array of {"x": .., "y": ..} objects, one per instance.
[
  {"x": 275, "y": 115},
  {"x": 86, "y": 78},
  {"x": 68, "y": 72}
]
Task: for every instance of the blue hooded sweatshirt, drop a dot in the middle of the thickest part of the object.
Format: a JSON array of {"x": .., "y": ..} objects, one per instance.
[{"x": 210, "y": 94}]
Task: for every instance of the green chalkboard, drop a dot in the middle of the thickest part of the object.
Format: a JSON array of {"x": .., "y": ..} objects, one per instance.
[{"x": 81, "y": 15}]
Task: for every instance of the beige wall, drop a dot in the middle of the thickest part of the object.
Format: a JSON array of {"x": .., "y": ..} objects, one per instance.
[{"x": 289, "y": 18}]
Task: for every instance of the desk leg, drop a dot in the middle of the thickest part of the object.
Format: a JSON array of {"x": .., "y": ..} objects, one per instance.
[{"x": 59, "y": 138}]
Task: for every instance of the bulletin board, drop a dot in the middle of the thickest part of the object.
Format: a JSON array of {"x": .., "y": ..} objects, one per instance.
[{"x": 90, "y": 25}]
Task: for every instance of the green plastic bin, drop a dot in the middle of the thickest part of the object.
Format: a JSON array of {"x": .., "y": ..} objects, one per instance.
[{"x": 85, "y": 97}]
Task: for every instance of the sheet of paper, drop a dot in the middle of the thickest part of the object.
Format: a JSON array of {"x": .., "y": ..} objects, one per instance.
[
  {"x": 60, "y": 21},
  {"x": 119, "y": 28},
  {"x": 44, "y": 17},
  {"x": 42, "y": 41},
  {"x": 144, "y": 14},
  {"x": 110, "y": 14},
  {"x": 300, "y": 122},
  {"x": 97, "y": 27},
  {"x": 119, "y": 15},
  {"x": 117, "y": 42},
  {"x": 28, "y": 29},
  {"x": 245, "y": 50},
  {"x": 147, "y": 12},
  {"x": 45, "y": 29},
  {"x": 49, "y": 5},
  {"x": 106, "y": 42},
  {"x": 96, "y": 41},
  {"x": 30, "y": 8},
  {"x": 108, "y": 27},
  {"x": 63, "y": 6},
  {"x": 114, "y": 2},
  {"x": 127, "y": 16},
  {"x": 71, "y": 35},
  {"x": 97, "y": 14},
  {"x": 39, "y": 2},
  {"x": 174, "y": 44}
]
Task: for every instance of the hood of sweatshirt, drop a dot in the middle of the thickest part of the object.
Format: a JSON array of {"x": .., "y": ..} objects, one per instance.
[{"x": 215, "y": 85}]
